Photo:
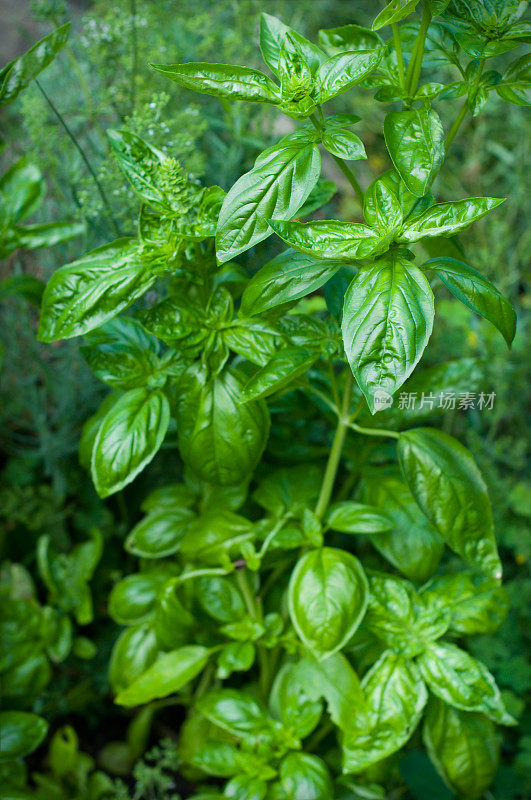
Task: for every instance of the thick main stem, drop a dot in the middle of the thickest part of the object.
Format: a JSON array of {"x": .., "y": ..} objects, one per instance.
[
  {"x": 455, "y": 127},
  {"x": 334, "y": 458},
  {"x": 351, "y": 178},
  {"x": 415, "y": 65}
]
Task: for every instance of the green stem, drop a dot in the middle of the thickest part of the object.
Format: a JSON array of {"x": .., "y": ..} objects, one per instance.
[
  {"x": 84, "y": 158},
  {"x": 334, "y": 458},
  {"x": 415, "y": 65},
  {"x": 255, "y": 612},
  {"x": 351, "y": 178},
  {"x": 399, "y": 56},
  {"x": 271, "y": 535},
  {"x": 455, "y": 126},
  {"x": 373, "y": 431},
  {"x": 202, "y": 573}
]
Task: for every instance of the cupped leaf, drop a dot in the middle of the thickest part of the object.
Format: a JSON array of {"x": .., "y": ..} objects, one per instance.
[
  {"x": 128, "y": 438},
  {"x": 222, "y": 80},
  {"x": 382, "y": 207},
  {"x": 446, "y": 219},
  {"x": 159, "y": 534},
  {"x": 452, "y": 494},
  {"x": 234, "y": 711},
  {"x": 16, "y": 75},
  {"x": 463, "y": 747},
  {"x": 220, "y": 438},
  {"x": 289, "y": 702},
  {"x": 476, "y": 292},
  {"x": 134, "y": 598},
  {"x": 327, "y": 598},
  {"x": 170, "y": 672},
  {"x": 462, "y": 681},
  {"x": 330, "y": 239},
  {"x": 342, "y": 71},
  {"x": 303, "y": 776},
  {"x": 88, "y": 292},
  {"x": 413, "y": 547},
  {"x": 287, "y": 277},
  {"x": 285, "y": 367},
  {"x": 277, "y": 186},
  {"x": 415, "y": 141},
  {"x": 387, "y": 321},
  {"x": 272, "y": 35},
  {"x": 133, "y": 653},
  {"x": 349, "y": 517},
  {"x": 396, "y": 697},
  {"x": 22, "y": 733}
]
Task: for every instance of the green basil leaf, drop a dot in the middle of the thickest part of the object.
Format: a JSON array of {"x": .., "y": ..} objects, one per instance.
[
  {"x": 451, "y": 492},
  {"x": 476, "y": 604},
  {"x": 349, "y": 37},
  {"x": 133, "y": 599},
  {"x": 333, "y": 679},
  {"x": 290, "y": 703},
  {"x": 476, "y": 292},
  {"x": 48, "y": 234},
  {"x": 172, "y": 498},
  {"x": 446, "y": 219},
  {"x": 22, "y": 733},
  {"x": 27, "y": 286},
  {"x": 396, "y": 697},
  {"x": 220, "y": 438},
  {"x": 86, "y": 293},
  {"x": 415, "y": 141},
  {"x": 285, "y": 367},
  {"x": 327, "y": 596},
  {"x": 330, "y": 239},
  {"x": 342, "y": 71},
  {"x": 305, "y": 777},
  {"x": 412, "y": 546},
  {"x": 344, "y": 144},
  {"x": 381, "y": 204},
  {"x": 234, "y": 711},
  {"x": 277, "y": 186},
  {"x": 133, "y": 653},
  {"x": 22, "y": 190},
  {"x": 404, "y": 620},
  {"x": 16, "y": 75},
  {"x": 170, "y": 672},
  {"x": 128, "y": 439},
  {"x": 516, "y": 82},
  {"x": 272, "y": 34},
  {"x": 222, "y": 80},
  {"x": 393, "y": 12},
  {"x": 159, "y": 534},
  {"x": 287, "y": 277},
  {"x": 220, "y": 598},
  {"x": 235, "y": 657},
  {"x": 288, "y": 489},
  {"x": 463, "y": 747},
  {"x": 387, "y": 321},
  {"x": 245, "y": 787},
  {"x": 121, "y": 353},
  {"x": 214, "y": 535},
  {"x": 349, "y": 517},
  {"x": 462, "y": 681},
  {"x": 254, "y": 340}
]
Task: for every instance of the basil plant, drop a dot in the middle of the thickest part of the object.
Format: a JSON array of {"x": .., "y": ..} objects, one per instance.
[{"x": 293, "y": 603}]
